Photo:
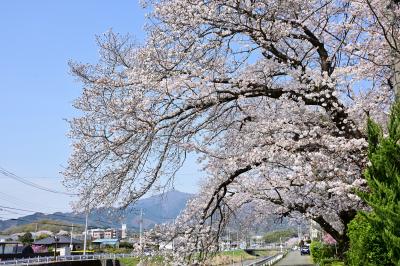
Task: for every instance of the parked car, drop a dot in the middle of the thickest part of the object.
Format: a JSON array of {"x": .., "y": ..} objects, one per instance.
[{"x": 305, "y": 250}]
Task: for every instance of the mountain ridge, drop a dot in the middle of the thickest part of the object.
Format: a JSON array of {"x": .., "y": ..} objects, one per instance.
[{"x": 156, "y": 209}]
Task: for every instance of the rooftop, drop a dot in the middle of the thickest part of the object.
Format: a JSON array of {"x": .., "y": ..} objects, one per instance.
[
  {"x": 106, "y": 241},
  {"x": 61, "y": 240}
]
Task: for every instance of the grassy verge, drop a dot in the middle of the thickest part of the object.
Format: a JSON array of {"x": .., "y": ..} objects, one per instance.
[
  {"x": 263, "y": 253},
  {"x": 331, "y": 262},
  {"x": 222, "y": 258},
  {"x": 153, "y": 261},
  {"x": 129, "y": 261},
  {"x": 337, "y": 263},
  {"x": 227, "y": 257}
]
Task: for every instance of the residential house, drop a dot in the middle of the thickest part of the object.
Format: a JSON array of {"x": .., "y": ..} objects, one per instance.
[{"x": 63, "y": 244}]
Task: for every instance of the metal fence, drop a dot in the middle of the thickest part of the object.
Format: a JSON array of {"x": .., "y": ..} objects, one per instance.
[
  {"x": 40, "y": 260},
  {"x": 268, "y": 261}
]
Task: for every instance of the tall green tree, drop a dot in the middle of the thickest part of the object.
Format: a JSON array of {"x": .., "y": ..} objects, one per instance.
[
  {"x": 367, "y": 247},
  {"x": 26, "y": 238},
  {"x": 383, "y": 178}
]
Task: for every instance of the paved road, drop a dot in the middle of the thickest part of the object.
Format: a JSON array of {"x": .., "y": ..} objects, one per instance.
[{"x": 294, "y": 258}]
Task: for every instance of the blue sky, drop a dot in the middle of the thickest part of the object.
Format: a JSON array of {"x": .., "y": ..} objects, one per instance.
[{"x": 38, "y": 38}]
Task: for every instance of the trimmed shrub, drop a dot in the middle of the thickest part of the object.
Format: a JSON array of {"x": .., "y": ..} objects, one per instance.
[
  {"x": 321, "y": 252},
  {"x": 367, "y": 246}
]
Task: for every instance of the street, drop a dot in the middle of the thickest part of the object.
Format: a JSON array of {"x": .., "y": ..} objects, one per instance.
[{"x": 294, "y": 258}]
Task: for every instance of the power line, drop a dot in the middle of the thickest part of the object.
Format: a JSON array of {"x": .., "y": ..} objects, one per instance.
[
  {"x": 20, "y": 202},
  {"x": 10, "y": 211},
  {"x": 39, "y": 177},
  {"x": 35, "y": 211},
  {"x": 17, "y": 209},
  {"x": 103, "y": 223},
  {"x": 9, "y": 174},
  {"x": 6, "y": 197},
  {"x": 50, "y": 223}
]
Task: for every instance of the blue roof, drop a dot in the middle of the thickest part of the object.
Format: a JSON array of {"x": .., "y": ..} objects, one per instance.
[{"x": 106, "y": 241}]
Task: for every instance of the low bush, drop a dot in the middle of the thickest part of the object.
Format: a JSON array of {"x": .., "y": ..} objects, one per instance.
[
  {"x": 126, "y": 245},
  {"x": 367, "y": 246},
  {"x": 331, "y": 262},
  {"x": 322, "y": 253}
]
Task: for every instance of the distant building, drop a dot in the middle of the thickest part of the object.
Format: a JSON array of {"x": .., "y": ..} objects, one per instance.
[
  {"x": 95, "y": 233},
  {"x": 112, "y": 233},
  {"x": 257, "y": 241},
  {"x": 124, "y": 231},
  {"x": 316, "y": 231},
  {"x": 5, "y": 238},
  {"x": 100, "y": 243}
]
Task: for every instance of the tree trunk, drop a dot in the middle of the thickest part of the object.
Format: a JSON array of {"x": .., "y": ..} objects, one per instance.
[
  {"x": 343, "y": 241},
  {"x": 342, "y": 247},
  {"x": 394, "y": 38}
]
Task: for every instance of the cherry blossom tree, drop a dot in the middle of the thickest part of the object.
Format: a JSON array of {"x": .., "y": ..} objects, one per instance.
[{"x": 272, "y": 95}]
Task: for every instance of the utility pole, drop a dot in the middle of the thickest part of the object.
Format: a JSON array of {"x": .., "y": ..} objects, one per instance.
[
  {"x": 86, "y": 231},
  {"x": 56, "y": 239},
  {"x": 72, "y": 231},
  {"x": 230, "y": 243},
  {"x": 229, "y": 238},
  {"x": 173, "y": 239},
  {"x": 34, "y": 238},
  {"x": 141, "y": 229},
  {"x": 298, "y": 232}
]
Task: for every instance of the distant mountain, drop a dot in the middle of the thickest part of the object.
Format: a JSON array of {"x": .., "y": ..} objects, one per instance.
[
  {"x": 156, "y": 210},
  {"x": 43, "y": 225}
]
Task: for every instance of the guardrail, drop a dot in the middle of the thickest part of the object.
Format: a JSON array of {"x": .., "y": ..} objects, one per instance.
[
  {"x": 40, "y": 260},
  {"x": 268, "y": 261}
]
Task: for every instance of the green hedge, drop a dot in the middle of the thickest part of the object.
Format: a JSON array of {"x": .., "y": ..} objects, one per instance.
[
  {"x": 331, "y": 262},
  {"x": 322, "y": 254},
  {"x": 367, "y": 246}
]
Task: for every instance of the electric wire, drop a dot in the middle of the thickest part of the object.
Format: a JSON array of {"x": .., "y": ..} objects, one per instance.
[
  {"x": 11, "y": 175},
  {"x": 81, "y": 220}
]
